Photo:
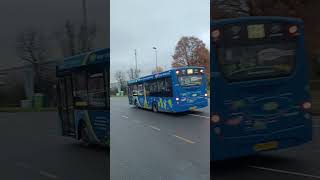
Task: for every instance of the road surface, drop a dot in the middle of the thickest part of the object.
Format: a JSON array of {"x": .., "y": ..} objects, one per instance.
[
  {"x": 31, "y": 148},
  {"x": 158, "y": 146}
]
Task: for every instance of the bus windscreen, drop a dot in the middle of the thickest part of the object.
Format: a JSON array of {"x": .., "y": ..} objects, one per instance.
[
  {"x": 190, "y": 80},
  {"x": 261, "y": 61}
]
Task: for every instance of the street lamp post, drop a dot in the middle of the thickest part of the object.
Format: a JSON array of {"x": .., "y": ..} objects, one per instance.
[
  {"x": 155, "y": 50},
  {"x": 135, "y": 57}
]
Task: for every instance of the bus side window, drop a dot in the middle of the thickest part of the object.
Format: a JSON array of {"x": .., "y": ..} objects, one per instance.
[
  {"x": 80, "y": 88},
  {"x": 140, "y": 90},
  {"x": 147, "y": 88},
  {"x": 96, "y": 92},
  {"x": 168, "y": 87},
  {"x": 153, "y": 88}
]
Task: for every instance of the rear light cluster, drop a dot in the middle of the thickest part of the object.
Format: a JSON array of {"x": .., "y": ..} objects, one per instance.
[
  {"x": 215, "y": 34},
  {"x": 190, "y": 71},
  {"x": 293, "y": 29},
  {"x": 306, "y": 105},
  {"x": 215, "y": 118}
]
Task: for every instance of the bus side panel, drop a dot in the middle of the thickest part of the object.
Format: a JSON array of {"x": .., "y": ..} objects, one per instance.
[
  {"x": 165, "y": 104},
  {"x": 83, "y": 116},
  {"x": 100, "y": 120}
]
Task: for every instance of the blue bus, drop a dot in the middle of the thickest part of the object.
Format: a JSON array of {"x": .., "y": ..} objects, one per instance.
[
  {"x": 83, "y": 97},
  {"x": 259, "y": 86},
  {"x": 176, "y": 90}
]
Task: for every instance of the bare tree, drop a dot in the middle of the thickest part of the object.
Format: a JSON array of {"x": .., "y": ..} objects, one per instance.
[
  {"x": 229, "y": 8},
  {"x": 73, "y": 40},
  {"x": 157, "y": 69},
  {"x": 276, "y": 7},
  {"x": 134, "y": 73},
  {"x": 120, "y": 76},
  {"x": 86, "y": 37},
  {"x": 31, "y": 47},
  {"x": 70, "y": 35}
]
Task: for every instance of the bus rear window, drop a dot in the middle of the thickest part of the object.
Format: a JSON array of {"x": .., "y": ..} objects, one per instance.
[
  {"x": 191, "y": 80},
  {"x": 261, "y": 61}
]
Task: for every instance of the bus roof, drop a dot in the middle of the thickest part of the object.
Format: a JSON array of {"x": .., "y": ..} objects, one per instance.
[
  {"x": 253, "y": 18},
  {"x": 160, "y": 74},
  {"x": 93, "y": 57}
]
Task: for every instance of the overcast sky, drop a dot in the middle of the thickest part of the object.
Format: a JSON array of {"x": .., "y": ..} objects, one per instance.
[
  {"x": 47, "y": 16},
  {"x": 142, "y": 24}
]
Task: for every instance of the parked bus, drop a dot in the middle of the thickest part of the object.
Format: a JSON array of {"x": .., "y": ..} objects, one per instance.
[
  {"x": 176, "y": 90},
  {"x": 83, "y": 97},
  {"x": 259, "y": 86}
]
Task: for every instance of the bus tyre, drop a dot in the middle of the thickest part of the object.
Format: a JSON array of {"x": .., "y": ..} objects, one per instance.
[
  {"x": 84, "y": 135},
  {"x": 154, "y": 107}
]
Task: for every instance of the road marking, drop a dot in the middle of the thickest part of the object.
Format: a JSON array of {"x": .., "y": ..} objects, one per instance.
[
  {"x": 125, "y": 117},
  {"x": 199, "y": 116},
  {"x": 49, "y": 175},
  {"x": 155, "y": 128},
  {"x": 286, "y": 172},
  {"x": 43, "y": 173},
  {"x": 23, "y": 165},
  {"x": 184, "y": 139}
]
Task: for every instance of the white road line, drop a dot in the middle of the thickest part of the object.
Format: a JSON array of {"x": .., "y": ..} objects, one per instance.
[
  {"x": 43, "y": 173},
  {"x": 286, "y": 172},
  {"x": 155, "y": 128},
  {"x": 198, "y": 116},
  {"x": 184, "y": 139},
  {"x": 23, "y": 165},
  {"x": 49, "y": 175},
  {"x": 125, "y": 117}
]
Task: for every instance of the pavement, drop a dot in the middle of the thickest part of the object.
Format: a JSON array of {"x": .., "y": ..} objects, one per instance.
[
  {"x": 32, "y": 148},
  {"x": 158, "y": 146}
]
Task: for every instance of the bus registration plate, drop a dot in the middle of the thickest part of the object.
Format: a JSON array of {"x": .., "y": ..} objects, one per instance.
[{"x": 266, "y": 146}]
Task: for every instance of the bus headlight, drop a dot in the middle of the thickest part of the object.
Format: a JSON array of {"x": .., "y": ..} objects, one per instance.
[
  {"x": 177, "y": 99},
  {"x": 206, "y": 95}
]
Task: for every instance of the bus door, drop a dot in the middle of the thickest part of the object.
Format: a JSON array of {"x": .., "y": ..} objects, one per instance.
[{"x": 66, "y": 106}]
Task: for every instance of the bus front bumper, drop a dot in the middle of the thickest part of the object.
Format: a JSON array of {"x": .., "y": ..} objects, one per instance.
[{"x": 226, "y": 148}]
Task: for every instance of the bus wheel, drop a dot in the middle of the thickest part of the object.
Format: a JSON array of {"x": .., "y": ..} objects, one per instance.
[
  {"x": 84, "y": 135},
  {"x": 154, "y": 107}
]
